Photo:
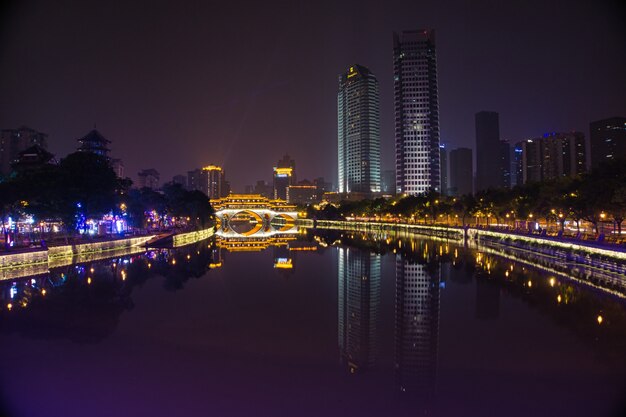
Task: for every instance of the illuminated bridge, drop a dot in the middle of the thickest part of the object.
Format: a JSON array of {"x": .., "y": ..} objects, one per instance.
[{"x": 256, "y": 211}]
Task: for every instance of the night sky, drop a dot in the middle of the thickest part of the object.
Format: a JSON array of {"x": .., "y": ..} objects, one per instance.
[{"x": 176, "y": 86}]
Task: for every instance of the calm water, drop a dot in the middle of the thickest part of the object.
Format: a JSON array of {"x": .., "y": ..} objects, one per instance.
[{"x": 325, "y": 324}]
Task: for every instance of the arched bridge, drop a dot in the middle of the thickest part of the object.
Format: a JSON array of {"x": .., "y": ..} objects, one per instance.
[{"x": 266, "y": 214}]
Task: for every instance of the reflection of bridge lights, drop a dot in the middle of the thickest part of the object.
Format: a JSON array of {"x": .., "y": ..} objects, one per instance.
[
  {"x": 552, "y": 281},
  {"x": 558, "y": 298},
  {"x": 9, "y": 306},
  {"x": 600, "y": 319},
  {"x": 88, "y": 280},
  {"x": 43, "y": 291},
  {"x": 215, "y": 265}
]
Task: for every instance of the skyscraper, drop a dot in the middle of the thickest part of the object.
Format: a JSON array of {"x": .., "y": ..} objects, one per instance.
[
  {"x": 416, "y": 112},
  {"x": 214, "y": 180},
  {"x": 358, "y": 131},
  {"x": 552, "y": 156},
  {"x": 284, "y": 176},
  {"x": 443, "y": 166},
  {"x": 461, "y": 172},
  {"x": 489, "y": 152},
  {"x": 607, "y": 140},
  {"x": 358, "y": 285}
]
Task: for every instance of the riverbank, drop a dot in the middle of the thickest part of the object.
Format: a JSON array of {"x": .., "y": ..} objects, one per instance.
[
  {"x": 38, "y": 261},
  {"x": 600, "y": 266}
]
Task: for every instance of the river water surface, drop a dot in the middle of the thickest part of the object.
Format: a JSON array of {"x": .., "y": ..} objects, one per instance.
[{"x": 310, "y": 324}]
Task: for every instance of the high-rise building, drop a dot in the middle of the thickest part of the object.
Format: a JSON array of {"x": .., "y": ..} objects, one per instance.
[
  {"x": 118, "y": 167},
  {"x": 461, "y": 172},
  {"x": 504, "y": 164},
  {"x": 607, "y": 140},
  {"x": 180, "y": 180},
  {"x": 214, "y": 178},
  {"x": 94, "y": 142},
  {"x": 443, "y": 167},
  {"x": 388, "y": 181},
  {"x": 416, "y": 112},
  {"x": 517, "y": 172},
  {"x": 491, "y": 162},
  {"x": 552, "y": 156},
  {"x": 358, "y": 131},
  {"x": 417, "y": 326},
  {"x": 284, "y": 176},
  {"x": 149, "y": 178},
  {"x": 14, "y": 141},
  {"x": 358, "y": 282}
]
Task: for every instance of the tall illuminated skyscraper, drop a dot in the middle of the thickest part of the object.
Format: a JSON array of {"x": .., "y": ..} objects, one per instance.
[
  {"x": 359, "y": 299},
  {"x": 358, "y": 131},
  {"x": 417, "y": 112}
]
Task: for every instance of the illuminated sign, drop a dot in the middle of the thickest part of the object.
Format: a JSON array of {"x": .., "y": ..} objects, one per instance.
[
  {"x": 283, "y": 172},
  {"x": 352, "y": 73}
]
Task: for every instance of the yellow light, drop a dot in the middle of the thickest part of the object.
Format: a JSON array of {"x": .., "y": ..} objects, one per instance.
[
  {"x": 9, "y": 306},
  {"x": 89, "y": 280},
  {"x": 506, "y": 273},
  {"x": 283, "y": 171},
  {"x": 149, "y": 265},
  {"x": 558, "y": 298},
  {"x": 602, "y": 216},
  {"x": 212, "y": 168},
  {"x": 530, "y": 215},
  {"x": 188, "y": 256},
  {"x": 600, "y": 319},
  {"x": 173, "y": 261},
  {"x": 43, "y": 291},
  {"x": 91, "y": 270},
  {"x": 530, "y": 283},
  {"x": 552, "y": 281}
]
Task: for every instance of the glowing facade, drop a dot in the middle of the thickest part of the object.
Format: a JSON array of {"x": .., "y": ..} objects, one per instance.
[
  {"x": 358, "y": 131},
  {"x": 416, "y": 111}
]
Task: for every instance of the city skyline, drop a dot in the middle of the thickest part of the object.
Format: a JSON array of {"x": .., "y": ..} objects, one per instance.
[{"x": 196, "y": 98}]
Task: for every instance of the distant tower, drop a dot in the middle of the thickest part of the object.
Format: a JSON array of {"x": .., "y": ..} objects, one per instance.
[
  {"x": 492, "y": 154},
  {"x": 284, "y": 176},
  {"x": 14, "y": 141},
  {"x": 443, "y": 163},
  {"x": 358, "y": 279},
  {"x": 213, "y": 180},
  {"x": 416, "y": 111},
  {"x": 461, "y": 172},
  {"x": 94, "y": 142},
  {"x": 607, "y": 140},
  {"x": 149, "y": 178},
  {"x": 358, "y": 131}
]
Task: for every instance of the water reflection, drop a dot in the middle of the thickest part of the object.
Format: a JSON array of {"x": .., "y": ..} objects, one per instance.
[
  {"x": 358, "y": 287},
  {"x": 416, "y": 326},
  {"x": 394, "y": 292}
]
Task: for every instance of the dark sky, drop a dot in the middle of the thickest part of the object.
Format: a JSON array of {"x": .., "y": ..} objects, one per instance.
[{"x": 176, "y": 86}]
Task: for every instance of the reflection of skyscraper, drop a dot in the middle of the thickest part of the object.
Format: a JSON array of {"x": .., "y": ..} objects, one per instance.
[
  {"x": 417, "y": 326},
  {"x": 359, "y": 297}
]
